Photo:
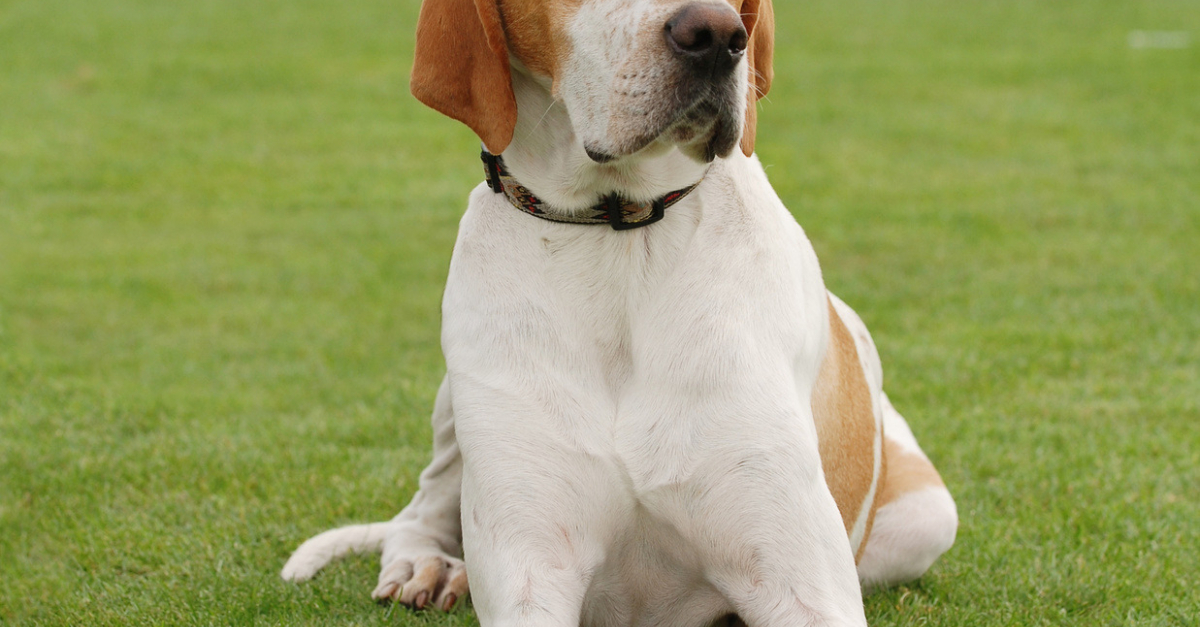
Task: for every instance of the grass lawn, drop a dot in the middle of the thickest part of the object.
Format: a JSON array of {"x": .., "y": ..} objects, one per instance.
[{"x": 224, "y": 228}]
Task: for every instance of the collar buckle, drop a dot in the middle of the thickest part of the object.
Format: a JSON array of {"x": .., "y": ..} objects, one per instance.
[
  {"x": 491, "y": 165},
  {"x": 657, "y": 210},
  {"x": 616, "y": 215}
]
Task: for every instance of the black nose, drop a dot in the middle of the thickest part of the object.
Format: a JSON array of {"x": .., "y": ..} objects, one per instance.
[{"x": 710, "y": 37}]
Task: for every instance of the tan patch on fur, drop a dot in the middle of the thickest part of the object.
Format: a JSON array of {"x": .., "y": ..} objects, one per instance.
[
  {"x": 845, "y": 422},
  {"x": 537, "y": 32},
  {"x": 876, "y": 503},
  {"x": 906, "y": 472}
]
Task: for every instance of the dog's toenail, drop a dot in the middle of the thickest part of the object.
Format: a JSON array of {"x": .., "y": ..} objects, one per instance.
[{"x": 422, "y": 598}]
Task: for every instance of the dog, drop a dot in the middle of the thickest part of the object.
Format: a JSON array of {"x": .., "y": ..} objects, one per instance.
[{"x": 654, "y": 412}]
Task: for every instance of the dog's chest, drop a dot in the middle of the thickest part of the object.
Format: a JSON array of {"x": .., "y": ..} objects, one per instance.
[
  {"x": 690, "y": 302},
  {"x": 651, "y": 577},
  {"x": 607, "y": 333}
]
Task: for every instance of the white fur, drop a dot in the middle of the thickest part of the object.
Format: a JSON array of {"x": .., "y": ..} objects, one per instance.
[
  {"x": 910, "y": 534},
  {"x": 325, "y": 547},
  {"x": 627, "y": 415}
]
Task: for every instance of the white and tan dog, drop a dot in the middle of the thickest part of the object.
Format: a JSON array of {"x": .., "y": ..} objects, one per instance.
[{"x": 669, "y": 425}]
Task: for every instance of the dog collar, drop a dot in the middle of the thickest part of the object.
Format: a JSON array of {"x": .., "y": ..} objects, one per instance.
[{"x": 612, "y": 210}]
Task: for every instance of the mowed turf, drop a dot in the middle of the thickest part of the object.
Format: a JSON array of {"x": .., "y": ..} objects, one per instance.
[{"x": 224, "y": 229}]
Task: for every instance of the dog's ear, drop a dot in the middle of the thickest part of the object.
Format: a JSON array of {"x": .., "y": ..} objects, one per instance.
[
  {"x": 461, "y": 67},
  {"x": 758, "y": 16}
]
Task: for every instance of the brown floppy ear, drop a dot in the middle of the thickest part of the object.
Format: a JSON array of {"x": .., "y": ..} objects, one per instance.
[
  {"x": 758, "y": 16},
  {"x": 461, "y": 67}
]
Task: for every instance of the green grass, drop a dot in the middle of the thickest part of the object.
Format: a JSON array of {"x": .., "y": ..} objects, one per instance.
[{"x": 224, "y": 228}]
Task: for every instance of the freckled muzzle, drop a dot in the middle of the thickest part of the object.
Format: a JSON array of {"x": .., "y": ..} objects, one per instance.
[{"x": 695, "y": 100}]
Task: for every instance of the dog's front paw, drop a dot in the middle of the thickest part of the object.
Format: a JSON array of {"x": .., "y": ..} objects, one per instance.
[{"x": 431, "y": 580}]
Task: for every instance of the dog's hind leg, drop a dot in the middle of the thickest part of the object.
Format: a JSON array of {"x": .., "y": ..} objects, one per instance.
[
  {"x": 421, "y": 545},
  {"x": 421, "y": 563},
  {"x": 916, "y": 521}
]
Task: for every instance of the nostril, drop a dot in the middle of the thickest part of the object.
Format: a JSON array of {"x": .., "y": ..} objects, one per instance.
[
  {"x": 689, "y": 38},
  {"x": 737, "y": 43}
]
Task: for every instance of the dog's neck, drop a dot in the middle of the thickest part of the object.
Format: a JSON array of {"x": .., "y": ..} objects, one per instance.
[{"x": 547, "y": 157}]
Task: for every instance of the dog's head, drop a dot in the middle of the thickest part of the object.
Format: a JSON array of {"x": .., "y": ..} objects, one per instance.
[{"x": 630, "y": 72}]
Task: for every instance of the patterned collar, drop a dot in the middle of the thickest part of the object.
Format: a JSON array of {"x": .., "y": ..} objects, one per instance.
[{"x": 612, "y": 210}]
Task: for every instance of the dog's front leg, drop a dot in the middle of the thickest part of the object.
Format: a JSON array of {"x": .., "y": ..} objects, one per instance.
[
  {"x": 537, "y": 515},
  {"x": 760, "y": 510},
  {"x": 421, "y": 564},
  {"x": 529, "y": 565}
]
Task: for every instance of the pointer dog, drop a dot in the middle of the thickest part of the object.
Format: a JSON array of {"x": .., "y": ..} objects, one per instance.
[{"x": 654, "y": 413}]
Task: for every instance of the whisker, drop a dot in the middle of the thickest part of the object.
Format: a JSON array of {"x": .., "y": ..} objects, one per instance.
[{"x": 543, "y": 118}]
